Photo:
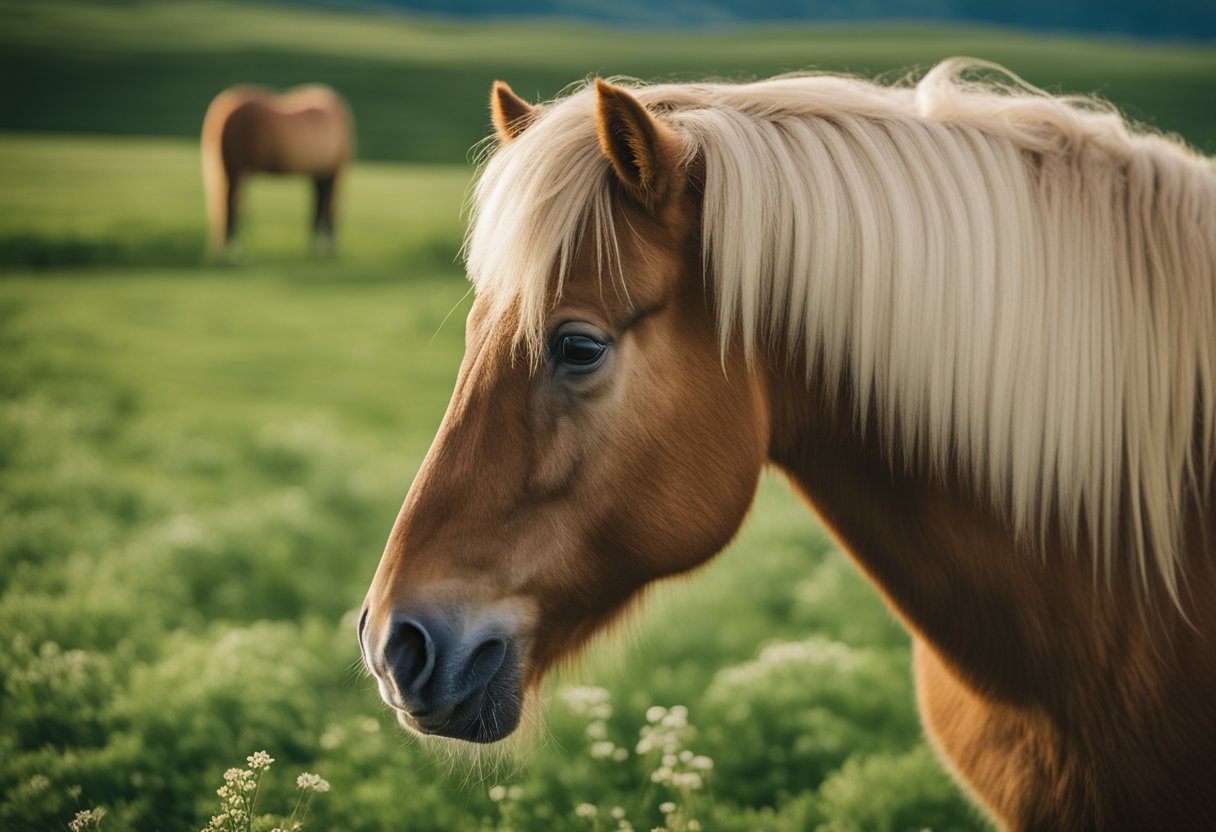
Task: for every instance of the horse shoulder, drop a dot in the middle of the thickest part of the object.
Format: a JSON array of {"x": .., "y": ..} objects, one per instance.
[{"x": 1122, "y": 732}]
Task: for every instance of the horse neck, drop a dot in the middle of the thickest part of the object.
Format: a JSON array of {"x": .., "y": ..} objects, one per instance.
[{"x": 1011, "y": 620}]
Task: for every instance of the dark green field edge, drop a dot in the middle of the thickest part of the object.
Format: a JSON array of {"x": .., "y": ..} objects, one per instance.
[
  {"x": 26, "y": 250},
  {"x": 407, "y": 110},
  {"x": 186, "y": 249}
]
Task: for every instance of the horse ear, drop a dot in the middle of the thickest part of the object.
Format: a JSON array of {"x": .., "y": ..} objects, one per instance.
[
  {"x": 642, "y": 151},
  {"x": 510, "y": 113}
]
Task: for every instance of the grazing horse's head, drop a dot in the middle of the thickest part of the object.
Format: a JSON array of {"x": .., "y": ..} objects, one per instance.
[{"x": 595, "y": 442}]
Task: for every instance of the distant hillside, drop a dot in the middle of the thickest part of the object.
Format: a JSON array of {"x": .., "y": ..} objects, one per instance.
[
  {"x": 419, "y": 85},
  {"x": 1188, "y": 19}
]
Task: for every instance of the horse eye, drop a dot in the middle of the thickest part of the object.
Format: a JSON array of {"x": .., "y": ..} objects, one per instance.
[{"x": 580, "y": 351}]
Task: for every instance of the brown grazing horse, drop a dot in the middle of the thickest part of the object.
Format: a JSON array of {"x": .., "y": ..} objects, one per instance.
[
  {"x": 974, "y": 324},
  {"x": 251, "y": 130}
]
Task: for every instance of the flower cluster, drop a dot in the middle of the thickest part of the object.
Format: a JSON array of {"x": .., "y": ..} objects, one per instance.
[
  {"x": 661, "y": 744},
  {"x": 505, "y": 800},
  {"x": 87, "y": 819},
  {"x": 662, "y": 739},
  {"x": 501, "y": 793},
  {"x": 312, "y": 783},
  {"x": 676, "y": 819},
  {"x": 239, "y": 795},
  {"x": 591, "y": 812},
  {"x": 595, "y": 705},
  {"x": 260, "y": 761},
  {"x": 664, "y": 734},
  {"x": 591, "y": 702}
]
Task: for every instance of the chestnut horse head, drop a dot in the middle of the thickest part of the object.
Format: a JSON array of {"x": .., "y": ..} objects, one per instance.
[
  {"x": 585, "y": 453},
  {"x": 967, "y": 321}
]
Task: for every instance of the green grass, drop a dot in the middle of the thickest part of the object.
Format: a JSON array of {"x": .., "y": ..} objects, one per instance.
[
  {"x": 418, "y": 89},
  {"x": 199, "y": 471}
]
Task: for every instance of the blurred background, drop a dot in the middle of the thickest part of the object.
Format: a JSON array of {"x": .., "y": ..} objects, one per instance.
[{"x": 199, "y": 463}]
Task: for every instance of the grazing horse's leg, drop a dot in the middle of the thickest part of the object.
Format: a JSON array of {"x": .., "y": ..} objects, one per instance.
[
  {"x": 215, "y": 185},
  {"x": 323, "y": 213},
  {"x": 231, "y": 243}
]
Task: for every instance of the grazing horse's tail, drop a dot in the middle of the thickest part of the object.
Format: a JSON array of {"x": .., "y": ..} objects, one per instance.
[
  {"x": 215, "y": 176},
  {"x": 215, "y": 167}
]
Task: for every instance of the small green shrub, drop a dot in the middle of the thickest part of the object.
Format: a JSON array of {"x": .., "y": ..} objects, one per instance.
[{"x": 893, "y": 793}]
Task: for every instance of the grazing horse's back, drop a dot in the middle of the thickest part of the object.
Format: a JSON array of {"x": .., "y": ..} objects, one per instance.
[{"x": 252, "y": 130}]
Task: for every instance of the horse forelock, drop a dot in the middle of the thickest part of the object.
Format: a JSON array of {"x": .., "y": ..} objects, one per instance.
[{"x": 1020, "y": 288}]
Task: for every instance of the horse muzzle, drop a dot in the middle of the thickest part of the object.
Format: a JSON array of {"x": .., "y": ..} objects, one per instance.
[{"x": 445, "y": 675}]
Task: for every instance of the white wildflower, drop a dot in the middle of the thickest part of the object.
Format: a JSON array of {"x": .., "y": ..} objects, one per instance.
[
  {"x": 688, "y": 780},
  {"x": 674, "y": 719},
  {"x": 259, "y": 760},
  {"x": 587, "y": 701},
  {"x": 601, "y": 750},
  {"x": 332, "y": 737},
  {"x": 86, "y": 818},
  {"x": 312, "y": 783}
]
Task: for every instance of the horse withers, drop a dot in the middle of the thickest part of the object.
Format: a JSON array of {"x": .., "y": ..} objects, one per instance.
[
  {"x": 248, "y": 130},
  {"x": 973, "y": 323}
]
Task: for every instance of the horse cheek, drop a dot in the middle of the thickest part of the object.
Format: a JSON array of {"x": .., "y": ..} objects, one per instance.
[{"x": 697, "y": 485}]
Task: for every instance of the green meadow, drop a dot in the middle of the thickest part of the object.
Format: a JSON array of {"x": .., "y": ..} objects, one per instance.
[{"x": 199, "y": 463}]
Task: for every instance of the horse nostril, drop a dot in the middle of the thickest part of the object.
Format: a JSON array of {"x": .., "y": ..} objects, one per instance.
[
  {"x": 484, "y": 662},
  {"x": 410, "y": 654}
]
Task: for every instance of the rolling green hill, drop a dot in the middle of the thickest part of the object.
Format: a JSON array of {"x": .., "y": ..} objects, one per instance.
[
  {"x": 1194, "y": 19},
  {"x": 418, "y": 86}
]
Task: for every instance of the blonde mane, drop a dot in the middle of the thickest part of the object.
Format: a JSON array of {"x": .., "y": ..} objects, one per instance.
[{"x": 1017, "y": 287}]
